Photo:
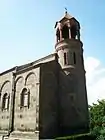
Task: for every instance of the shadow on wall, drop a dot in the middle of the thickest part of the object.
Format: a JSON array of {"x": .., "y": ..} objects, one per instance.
[{"x": 58, "y": 114}]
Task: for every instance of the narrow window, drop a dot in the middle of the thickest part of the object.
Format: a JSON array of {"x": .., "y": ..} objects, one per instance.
[
  {"x": 74, "y": 57},
  {"x": 25, "y": 98},
  {"x": 5, "y": 103},
  {"x": 65, "y": 59},
  {"x": 70, "y": 58}
]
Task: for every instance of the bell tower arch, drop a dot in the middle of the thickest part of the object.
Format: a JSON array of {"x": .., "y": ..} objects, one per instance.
[{"x": 68, "y": 45}]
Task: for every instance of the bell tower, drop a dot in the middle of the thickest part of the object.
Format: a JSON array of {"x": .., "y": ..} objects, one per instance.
[
  {"x": 68, "y": 43},
  {"x": 72, "y": 82}
]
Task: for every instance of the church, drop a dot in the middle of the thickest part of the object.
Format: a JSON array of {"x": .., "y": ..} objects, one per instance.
[{"x": 47, "y": 98}]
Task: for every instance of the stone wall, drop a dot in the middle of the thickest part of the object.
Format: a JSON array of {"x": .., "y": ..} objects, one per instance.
[
  {"x": 25, "y": 118},
  {"x": 73, "y": 103},
  {"x": 48, "y": 113},
  {"x": 23, "y": 121},
  {"x": 5, "y": 87}
]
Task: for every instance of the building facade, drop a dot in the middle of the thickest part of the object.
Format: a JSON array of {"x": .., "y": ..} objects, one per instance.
[{"x": 47, "y": 98}]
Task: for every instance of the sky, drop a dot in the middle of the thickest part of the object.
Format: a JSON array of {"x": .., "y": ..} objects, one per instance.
[{"x": 27, "y": 33}]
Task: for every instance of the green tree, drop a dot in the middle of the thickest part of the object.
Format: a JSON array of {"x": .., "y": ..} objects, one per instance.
[{"x": 97, "y": 119}]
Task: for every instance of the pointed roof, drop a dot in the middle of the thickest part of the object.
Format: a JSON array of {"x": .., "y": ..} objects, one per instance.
[{"x": 67, "y": 16}]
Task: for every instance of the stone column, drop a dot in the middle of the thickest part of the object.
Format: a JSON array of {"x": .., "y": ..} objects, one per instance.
[
  {"x": 78, "y": 34},
  {"x": 69, "y": 30},
  {"x": 37, "y": 108},
  {"x": 69, "y": 33},
  {"x": 12, "y": 99},
  {"x": 56, "y": 38},
  {"x": 60, "y": 30},
  {"x": 60, "y": 34}
]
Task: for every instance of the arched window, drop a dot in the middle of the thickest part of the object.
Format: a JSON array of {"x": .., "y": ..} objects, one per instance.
[
  {"x": 65, "y": 32},
  {"x": 5, "y": 102},
  {"x": 58, "y": 35},
  {"x": 25, "y": 97},
  {"x": 65, "y": 58},
  {"x": 73, "y": 32}
]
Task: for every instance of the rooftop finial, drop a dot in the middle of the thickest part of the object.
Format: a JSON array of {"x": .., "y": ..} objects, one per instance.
[{"x": 65, "y": 10}]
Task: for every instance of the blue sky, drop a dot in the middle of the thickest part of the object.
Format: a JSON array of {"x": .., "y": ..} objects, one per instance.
[{"x": 27, "y": 29}]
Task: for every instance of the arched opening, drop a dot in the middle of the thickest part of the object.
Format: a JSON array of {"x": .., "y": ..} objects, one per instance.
[
  {"x": 29, "y": 78},
  {"x": 65, "y": 32},
  {"x": 73, "y": 32},
  {"x": 25, "y": 98},
  {"x": 58, "y": 35},
  {"x": 5, "y": 102}
]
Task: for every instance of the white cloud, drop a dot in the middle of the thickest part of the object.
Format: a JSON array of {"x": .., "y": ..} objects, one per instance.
[{"x": 95, "y": 79}]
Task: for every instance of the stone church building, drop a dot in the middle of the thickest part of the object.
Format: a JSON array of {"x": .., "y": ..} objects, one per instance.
[{"x": 47, "y": 98}]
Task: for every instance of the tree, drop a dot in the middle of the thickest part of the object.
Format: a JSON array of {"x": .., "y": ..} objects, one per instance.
[{"x": 97, "y": 119}]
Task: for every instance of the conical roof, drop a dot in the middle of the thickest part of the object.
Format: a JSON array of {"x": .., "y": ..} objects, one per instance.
[{"x": 67, "y": 16}]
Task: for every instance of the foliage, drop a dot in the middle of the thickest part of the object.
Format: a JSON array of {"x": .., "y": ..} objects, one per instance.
[
  {"x": 97, "y": 124},
  {"x": 97, "y": 119}
]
